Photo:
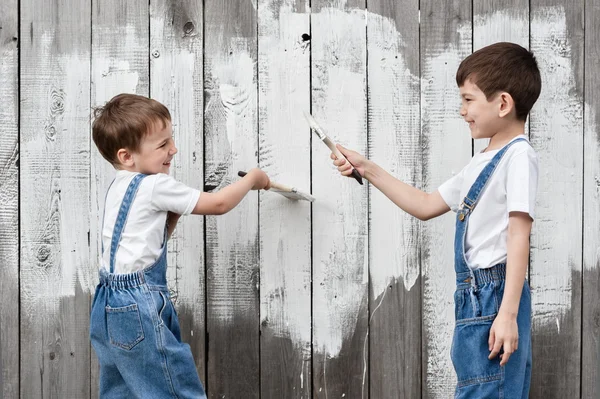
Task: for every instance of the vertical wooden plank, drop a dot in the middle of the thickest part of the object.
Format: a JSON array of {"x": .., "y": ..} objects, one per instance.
[
  {"x": 340, "y": 236},
  {"x": 395, "y": 144},
  {"x": 445, "y": 42},
  {"x": 499, "y": 21},
  {"x": 54, "y": 142},
  {"x": 9, "y": 198},
  {"x": 231, "y": 240},
  {"x": 556, "y": 127},
  {"x": 285, "y": 226},
  {"x": 120, "y": 52},
  {"x": 176, "y": 65},
  {"x": 590, "y": 363}
]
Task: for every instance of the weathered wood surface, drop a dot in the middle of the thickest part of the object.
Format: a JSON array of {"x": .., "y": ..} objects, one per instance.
[
  {"x": 55, "y": 192},
  {"x": 9, "y": 198},
  {"x": 556, "y": 130},
  {"x": 394, "y": 142},
  {"x": 284, "y": 226},
  {"x": 340, "y": 244},
  {"x": 590, "y": 333},
  {"x": 232, "y": 240}
]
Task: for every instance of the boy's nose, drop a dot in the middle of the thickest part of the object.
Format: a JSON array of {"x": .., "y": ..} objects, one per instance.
[
  {"x": 173, "y": 150},
  {"x": 463, "y": 111}
]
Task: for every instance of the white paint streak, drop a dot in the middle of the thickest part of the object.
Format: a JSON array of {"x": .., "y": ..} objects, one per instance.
[
  {"x": 395, "y": 146},
  {"x": 339, "y": 215},
  {"x": 556, "y": 133},
  {"x": 366, "y": 348},
  {"x": 591, "y": 245}
]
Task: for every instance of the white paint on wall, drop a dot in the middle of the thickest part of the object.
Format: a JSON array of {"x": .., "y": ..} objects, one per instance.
[
  {"x": 507, "y": 25},
  {"x": 556, "y": 133},
  {"x": 394, "y": 131},
  {"x": 340, "y": 267}
]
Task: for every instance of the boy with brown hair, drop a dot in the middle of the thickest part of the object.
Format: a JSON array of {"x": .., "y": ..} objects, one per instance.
[
  {"x": 494, "y": 195},
  {"x": 133, "y": 325}
]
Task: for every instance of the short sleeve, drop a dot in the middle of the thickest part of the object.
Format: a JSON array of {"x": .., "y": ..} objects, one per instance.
[
  {"x": 450, "y": 190},
  {"x": 170, "y": 195},
  {"x": 521, "y": 182}
]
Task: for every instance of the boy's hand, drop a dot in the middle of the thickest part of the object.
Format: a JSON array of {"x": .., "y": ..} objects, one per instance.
[
  {"x": 504, "y": 333},
  {"x": 355, "y": 159},
  {"x": 260, "y": 179}
]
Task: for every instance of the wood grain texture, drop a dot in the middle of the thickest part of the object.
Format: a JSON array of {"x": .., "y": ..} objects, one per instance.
[
  {"x": 232, "y": 240},
  {"x": 394, "y": 344},
  {"x": 176, "y": 75},
  {"x": 285, "y": 226},
  {"x": 556, "y": 127},
  {"x": 590, "y": 362},
  {"x": 54, "y": 184},
  {"x": 340, "y": 236},
  {"x": 446, "y": 36},
  {"x": 9, "y": 198},
  {"x": 120, "y": 51}
]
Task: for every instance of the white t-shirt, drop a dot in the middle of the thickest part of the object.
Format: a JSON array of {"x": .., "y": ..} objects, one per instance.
[
  {"x": 512, "y": 187},
  {"x": 142, "y": 238}
]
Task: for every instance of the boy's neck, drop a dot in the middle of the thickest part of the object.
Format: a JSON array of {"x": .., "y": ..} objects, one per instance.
[{"x": 504, "y": 136}]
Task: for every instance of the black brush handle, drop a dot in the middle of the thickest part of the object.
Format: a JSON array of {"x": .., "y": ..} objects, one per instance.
[
  {"x": 356, "y": 175},
  {"x": 242, "y": 174}
]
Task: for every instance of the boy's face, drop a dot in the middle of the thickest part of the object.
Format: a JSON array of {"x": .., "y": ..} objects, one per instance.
[
  {"x": 156, "y": 150},
  {"x": 482, "y": 115}
]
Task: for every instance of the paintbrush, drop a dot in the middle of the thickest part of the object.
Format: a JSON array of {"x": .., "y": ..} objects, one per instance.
[
  {"x": 323, "y": 137},
  {"x": 288, "y": 192}
]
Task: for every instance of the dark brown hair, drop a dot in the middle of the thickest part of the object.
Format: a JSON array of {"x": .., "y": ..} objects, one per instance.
[
  {"x": 123, "y": 122},
  {"x": 504, "y": 67}
]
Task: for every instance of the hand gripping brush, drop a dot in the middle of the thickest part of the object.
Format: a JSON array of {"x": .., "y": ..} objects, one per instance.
[
  {"x": 288, "y": 192},
  {"x": 323, "y": 137}
]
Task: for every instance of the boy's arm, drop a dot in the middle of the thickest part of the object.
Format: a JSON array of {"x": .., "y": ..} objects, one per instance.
[
  {"x": 419, "y": 204},
  {"x": 504, "y": 332},
  {"x": 227, "y": 198}
]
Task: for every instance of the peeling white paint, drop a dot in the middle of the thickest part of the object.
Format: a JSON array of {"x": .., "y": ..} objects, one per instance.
[{"x": 556, "y": 134}]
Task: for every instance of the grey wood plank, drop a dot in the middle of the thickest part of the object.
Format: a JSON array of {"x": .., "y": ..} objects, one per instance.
[
  {"x": 176, "y": 76},
  {"x": 285, "y": 226},
  {"x": 446, "y": 36},
  {"x": 54, "y": 183},
  {"x": 232, "y": 241},
  {"x": 9, "y": 198},
  {"x": 556, "y": 131},
  {"x": 394, "y": 144},
  {"x": 590, "y": 362},
  {"x": 340, "y": 235},
  {"x": 120, "y": 53}
]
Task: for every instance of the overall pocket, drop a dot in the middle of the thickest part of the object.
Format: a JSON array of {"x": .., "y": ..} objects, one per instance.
[{"x": 124, "y": 326}]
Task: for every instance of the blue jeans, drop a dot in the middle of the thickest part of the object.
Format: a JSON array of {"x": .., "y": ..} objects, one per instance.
[
  {"x": 135, "y": 331},
  {"x": 477, "y": 301}
]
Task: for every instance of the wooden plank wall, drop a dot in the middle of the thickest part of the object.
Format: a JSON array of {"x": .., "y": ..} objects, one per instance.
[{"x": 348, "y": 297}]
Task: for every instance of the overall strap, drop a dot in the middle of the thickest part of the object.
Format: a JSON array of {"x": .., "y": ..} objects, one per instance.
[
  {"x": 476, "y": 189},
  {"x": 122, "y": 217}
]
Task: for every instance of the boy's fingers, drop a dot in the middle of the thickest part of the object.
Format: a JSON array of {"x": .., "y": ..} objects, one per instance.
[
  {"x": 491, "y": 340},
  {"x": 332, "y": 156},
  {"x": 505, "y": 357},
  {"x": 495, "y": 350}
]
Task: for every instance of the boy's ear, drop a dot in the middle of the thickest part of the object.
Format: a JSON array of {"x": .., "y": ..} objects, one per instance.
[
  {"x": 125, "y": 157},
  {"x": 506, "y": 103}
]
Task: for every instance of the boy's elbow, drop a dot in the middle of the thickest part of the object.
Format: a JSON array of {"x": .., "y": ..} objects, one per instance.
[{"x": 221, "y": 207}]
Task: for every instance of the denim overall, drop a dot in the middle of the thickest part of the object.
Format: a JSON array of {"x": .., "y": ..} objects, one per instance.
[
  {"x": 477, "y": 301},
  {"x": 135, "y": 331}
]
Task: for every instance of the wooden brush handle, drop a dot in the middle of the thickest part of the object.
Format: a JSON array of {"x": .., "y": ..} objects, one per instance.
[{"x": 274, "y": 185}]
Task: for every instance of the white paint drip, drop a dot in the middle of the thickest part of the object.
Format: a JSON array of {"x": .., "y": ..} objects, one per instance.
[
  {"x": 556, "y": 125},
  {"x": 394, "y": 130},
  {"x": 366, "y": 348}
]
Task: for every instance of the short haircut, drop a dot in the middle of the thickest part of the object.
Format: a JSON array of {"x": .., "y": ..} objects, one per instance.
[
  {"x": 504, "y": 67},
  {"x": 123, "y": 122}
]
